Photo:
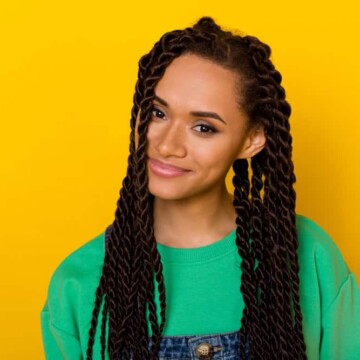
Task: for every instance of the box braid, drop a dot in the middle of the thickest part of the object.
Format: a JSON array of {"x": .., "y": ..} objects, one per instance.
[{"x": 266, "y": 235}]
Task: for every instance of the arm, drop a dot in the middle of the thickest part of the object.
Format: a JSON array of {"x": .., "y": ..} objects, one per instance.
[
  {"x": 341, "y": 324},
  {"x": 330, "y": 297},
  {"x": 58, "y": 344},
  {"x": 66, "y": 317}
]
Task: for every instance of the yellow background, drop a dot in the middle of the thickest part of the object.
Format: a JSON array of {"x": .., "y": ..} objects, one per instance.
[{"x": 67, "y": 76}]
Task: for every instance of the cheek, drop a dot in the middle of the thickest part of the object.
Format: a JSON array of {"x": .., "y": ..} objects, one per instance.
[
  {"x": 156, "y": 131},
  {"x": 220, "y": 147},
  {"x": 216, "y": 158},
  {"x": 151, "y": 136}
]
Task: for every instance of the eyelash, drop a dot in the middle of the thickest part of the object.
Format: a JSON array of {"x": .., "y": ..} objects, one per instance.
[
  {"x": 208, "y": 128},
  {"x": 154, "y": 110}
]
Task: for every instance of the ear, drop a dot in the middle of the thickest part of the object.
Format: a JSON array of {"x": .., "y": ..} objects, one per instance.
[{"x": 254, "y": 143}]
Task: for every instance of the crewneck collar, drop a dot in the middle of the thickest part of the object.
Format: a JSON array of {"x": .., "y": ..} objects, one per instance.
[{"x": 201, "y": 254}]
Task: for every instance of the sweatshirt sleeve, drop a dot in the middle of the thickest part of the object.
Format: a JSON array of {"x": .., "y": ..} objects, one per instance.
[
  {"x": 66, "y": 316},
  {"x": 330, "y": 297},
  {"x": 58, "y": 344},
  {"x": 341, "y": 324}
]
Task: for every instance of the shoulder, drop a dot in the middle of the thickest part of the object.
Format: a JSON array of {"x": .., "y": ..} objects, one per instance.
[
  {"x": 86, "y": 258},
  {"x": 315, "y": 241},
  {"x": 310, "y": 233}
]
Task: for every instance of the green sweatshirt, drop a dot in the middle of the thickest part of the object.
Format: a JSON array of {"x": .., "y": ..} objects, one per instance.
[{"x": 203, "y": 297}]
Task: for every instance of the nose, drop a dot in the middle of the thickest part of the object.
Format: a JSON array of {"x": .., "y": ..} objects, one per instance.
[{"x": 171, "y": 141}]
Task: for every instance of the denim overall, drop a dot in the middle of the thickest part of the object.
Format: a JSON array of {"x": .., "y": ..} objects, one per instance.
[{"x": 224, "y": 346}]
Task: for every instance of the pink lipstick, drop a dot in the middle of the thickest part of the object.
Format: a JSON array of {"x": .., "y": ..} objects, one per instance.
[{"x": 165, "y": 170}]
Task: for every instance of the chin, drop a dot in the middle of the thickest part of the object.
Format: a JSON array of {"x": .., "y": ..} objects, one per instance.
[
  {"x": 170, "y": 193},
  {"x": 166, "y": 195}
]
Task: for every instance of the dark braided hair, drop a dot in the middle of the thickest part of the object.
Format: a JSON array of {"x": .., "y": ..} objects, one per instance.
[{"x": 266, "y": 234}]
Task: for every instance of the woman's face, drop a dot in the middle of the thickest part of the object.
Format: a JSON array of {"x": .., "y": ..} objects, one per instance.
[{"x": 197, "y": 130}]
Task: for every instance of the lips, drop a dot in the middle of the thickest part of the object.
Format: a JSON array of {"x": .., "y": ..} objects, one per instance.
[{"x": 166, "y": 170}]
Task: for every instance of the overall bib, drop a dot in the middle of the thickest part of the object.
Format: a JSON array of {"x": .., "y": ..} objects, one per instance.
[{"x": 225, "y": 346}]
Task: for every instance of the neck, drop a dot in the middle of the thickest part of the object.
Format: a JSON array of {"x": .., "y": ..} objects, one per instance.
[{"x": 194, "y": 222}]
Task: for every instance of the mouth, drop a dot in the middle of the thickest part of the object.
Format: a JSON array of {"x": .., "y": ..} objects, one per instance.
[{"x": 166, "y": 170}]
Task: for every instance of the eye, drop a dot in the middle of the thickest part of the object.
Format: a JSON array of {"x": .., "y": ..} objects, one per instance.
[
  {"x": 157, "y": 113},
  {"x": 205, "y": 129}
]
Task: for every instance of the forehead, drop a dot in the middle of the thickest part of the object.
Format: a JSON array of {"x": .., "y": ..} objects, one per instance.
[{"x": 193, "y": 81}]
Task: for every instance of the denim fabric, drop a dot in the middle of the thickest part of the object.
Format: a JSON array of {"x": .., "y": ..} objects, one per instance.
[{"x": 225, "y": 346}]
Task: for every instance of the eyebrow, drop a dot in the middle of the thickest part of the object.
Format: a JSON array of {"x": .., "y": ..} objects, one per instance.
[{"x": 207, "y": 114}]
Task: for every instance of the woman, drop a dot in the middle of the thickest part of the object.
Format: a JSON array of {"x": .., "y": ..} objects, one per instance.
[{"x": 187, "y": 270}]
